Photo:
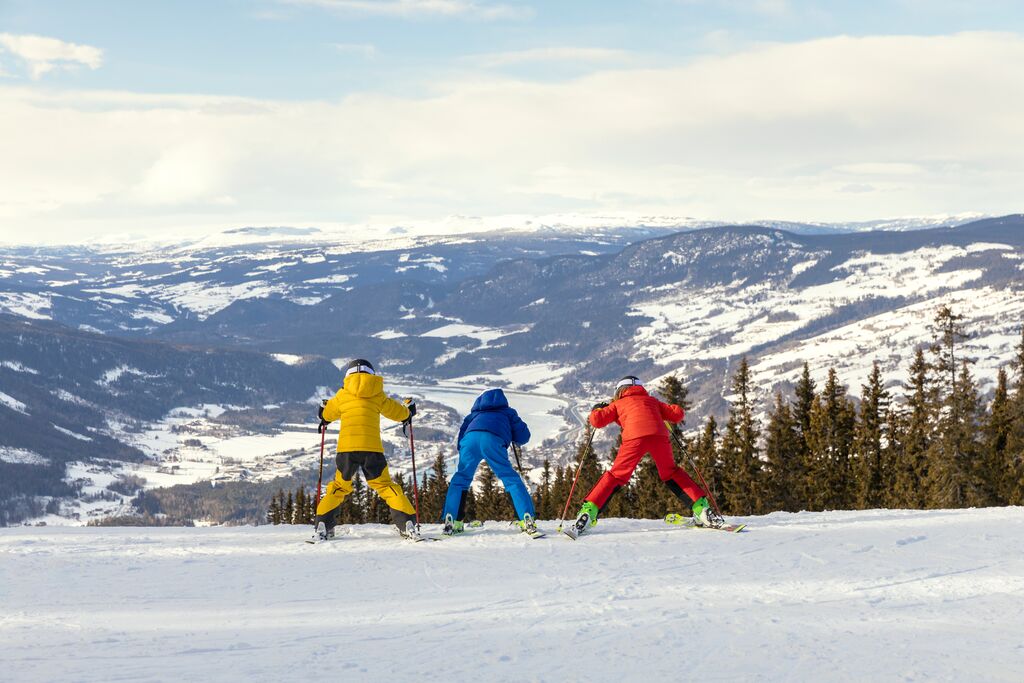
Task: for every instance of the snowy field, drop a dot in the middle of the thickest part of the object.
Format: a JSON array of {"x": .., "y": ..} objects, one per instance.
[{"x": 877, "y": 596}]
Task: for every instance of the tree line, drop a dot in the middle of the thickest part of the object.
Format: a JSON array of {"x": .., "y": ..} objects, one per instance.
[{"x": 933, "y": 442}]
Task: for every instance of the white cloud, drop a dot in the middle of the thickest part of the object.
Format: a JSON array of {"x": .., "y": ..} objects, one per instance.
[
  {"x": 42, "y": 55},
  {"x": 364, "y": 50},
  {"x": 551, "y": 54},
  {"x": 414, "y": 8},
  {"x": 834, "y": 129}
]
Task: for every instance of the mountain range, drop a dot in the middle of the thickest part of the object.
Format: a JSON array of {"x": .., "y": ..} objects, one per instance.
[{"x": 98, "y": 344}]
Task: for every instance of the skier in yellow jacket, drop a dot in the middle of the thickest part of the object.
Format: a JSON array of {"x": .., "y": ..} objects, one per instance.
[{"x": 359, "y": 404}]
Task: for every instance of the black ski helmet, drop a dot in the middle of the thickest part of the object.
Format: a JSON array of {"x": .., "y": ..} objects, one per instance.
[{"x": 359, "y": 365}]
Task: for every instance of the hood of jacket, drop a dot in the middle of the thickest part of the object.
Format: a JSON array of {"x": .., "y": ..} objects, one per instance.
[
  {"x": 492, "y": 399},
  {"x": 364, "y": 385},
  {"x": 633, "y": 391}
]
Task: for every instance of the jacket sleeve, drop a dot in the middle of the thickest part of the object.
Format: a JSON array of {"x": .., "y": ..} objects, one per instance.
[
  {"x": 602, "y": 417},
  {"x": 671, "y": 412},
  {"x": 520, "y": 430},
  {"x": 462, "y": 429},
  {"x": 393, "y": 410},
  {"x": 332, "y": 411}
]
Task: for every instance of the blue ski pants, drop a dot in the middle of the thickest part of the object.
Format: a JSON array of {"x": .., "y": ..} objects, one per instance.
[{"x": 477, "y": 446}]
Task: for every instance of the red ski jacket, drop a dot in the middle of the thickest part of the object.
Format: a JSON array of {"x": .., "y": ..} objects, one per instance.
[{"x": 638, "y": 413}]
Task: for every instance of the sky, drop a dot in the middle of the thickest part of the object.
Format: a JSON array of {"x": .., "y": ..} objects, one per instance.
[{"x": 168, "y": 118}]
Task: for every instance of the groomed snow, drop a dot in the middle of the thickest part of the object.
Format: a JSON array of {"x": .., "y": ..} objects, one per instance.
[{"x": 876, "y": 595}]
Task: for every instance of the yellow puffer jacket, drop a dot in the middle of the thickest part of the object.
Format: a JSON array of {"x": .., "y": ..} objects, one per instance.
[{"x": 359, "y": 405}]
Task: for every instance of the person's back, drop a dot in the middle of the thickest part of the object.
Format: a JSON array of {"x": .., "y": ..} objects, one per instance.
[
  {"x": 486, "y": 433},
  {"x": 359, "y": 404},
  {"x": 492, "y": 413}
]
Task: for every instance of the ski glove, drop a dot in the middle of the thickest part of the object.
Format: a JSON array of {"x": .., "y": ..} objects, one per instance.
[
  {"x": 412, "y": 408},
  {"x": 322, "y": 427},
  {"x": 599, "y": 406}
]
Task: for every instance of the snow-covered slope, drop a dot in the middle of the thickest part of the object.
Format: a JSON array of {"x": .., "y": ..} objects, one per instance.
[{"x": 839, "y": 596}]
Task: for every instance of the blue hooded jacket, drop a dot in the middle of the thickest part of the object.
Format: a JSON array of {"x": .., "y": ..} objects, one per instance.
[{"x": 491, "y": 413}]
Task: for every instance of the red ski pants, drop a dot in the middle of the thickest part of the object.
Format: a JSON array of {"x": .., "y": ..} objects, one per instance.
[{"x": 628, "y": 458}]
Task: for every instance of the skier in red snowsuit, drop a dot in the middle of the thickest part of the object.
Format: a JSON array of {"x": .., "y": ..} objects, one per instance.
[{"x": 642, "y": 418}]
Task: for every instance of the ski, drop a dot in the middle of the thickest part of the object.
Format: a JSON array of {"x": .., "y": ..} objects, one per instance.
[
  {"x": 676, "y": 519},
  {"x": 570, "y": 531}
]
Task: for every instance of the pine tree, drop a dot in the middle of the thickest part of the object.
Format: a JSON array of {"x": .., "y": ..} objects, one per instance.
[
  {"x": 872, "y": 468},
  {"x": 289, "y": 510},
  {"x": 912, "y": 468},
  {"x": 830, "y": 441},
  {"x": 491, "y": 504},
  {"x": 674, "y": 392},
  {"x": 783, "y": 467},
  {"x": 274, "y": 511},
  {"x": 999, "y": 422},
  {"x": 707, "y": 460},
  {"x": 300, "y": 507},
  {"x": 803, "y": 400},
  {"x": 950, "y": 481},
  {"x": 741, "y": 470},
  {"x": 1013, "y": 476},
  {"x": 545, "y": 499}
]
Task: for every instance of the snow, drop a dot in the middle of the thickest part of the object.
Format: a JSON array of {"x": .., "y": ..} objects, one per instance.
[
  {"x": 483, "y": 334},
  {"x": 21, "y": 456},
  {"x": 287, "y": 358},
  {"x": 875, "y": 595},
  {"x": 388, "y": 334},
  {"x": 114, "y": 374},
  {"x": 14, "y": 404},
  {"x": 27, "y": 305},
  {"x": 74, "y": 435},
  {"x": 18, "y": 367}
]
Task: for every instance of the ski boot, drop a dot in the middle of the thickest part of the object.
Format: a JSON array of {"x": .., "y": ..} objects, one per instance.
[
  {"x": 528, "y": 525},
  {"x": 587, "y": 517},
  {"x": 453, "y": 526},
  {"x": 705, "y": 515},
  {"x": 411, "y": 532},
  {"x": 322, "y": 533}
]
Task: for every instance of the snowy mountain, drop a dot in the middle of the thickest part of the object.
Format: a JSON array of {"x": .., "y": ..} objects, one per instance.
[
  {"x": 838, "y": 596},
  {"x": 210, "y": 349}
]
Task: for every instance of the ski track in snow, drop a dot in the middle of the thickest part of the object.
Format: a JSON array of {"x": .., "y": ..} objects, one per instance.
[{"x": 871, "y": 595}]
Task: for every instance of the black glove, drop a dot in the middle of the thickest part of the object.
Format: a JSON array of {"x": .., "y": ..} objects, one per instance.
[
  {"x": 412, "y": 408},
  {"x": 322, "y": 427},
  {"x": 599, "y": 406}
]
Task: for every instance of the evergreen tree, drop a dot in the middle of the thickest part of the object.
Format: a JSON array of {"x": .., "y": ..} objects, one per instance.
[
  {"x": 872, "y": 466},
  {"x": 274, "y": 511},
  {"x": 803, "y": 400},
  {"x": 674, "y": 392},
  {"x": 491, "y": 502},
  {"x": 289, "y": 510},
  {"x": 783, "y": 467},
  {"x": 741, "y": 470},
  {"x": 951, "y": 477},
  {"x": 707, "y": 460},
  {"x": 830, "y": 441},
  {"x": 300, "y": 507},
  {"x": 1013, "y": 476},
  {"x": 545, "y": 499},
  {"x": 917, "y": 433},
  {"x": 999, "y": 422}
]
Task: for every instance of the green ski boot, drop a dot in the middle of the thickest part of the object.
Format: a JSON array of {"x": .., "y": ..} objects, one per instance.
[
  {"x": 453, "y": 526},
  {"x": 705, "y": 515},
  {"x": 586, "y": 517}
]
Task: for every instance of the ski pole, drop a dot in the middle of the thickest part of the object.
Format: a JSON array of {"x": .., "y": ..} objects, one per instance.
[
  {"x": 415, "y": 484},
  {"x": 704, "y": 484},
  {"x": 579, "y": 468},
  {"x": 320, "y": 479}
]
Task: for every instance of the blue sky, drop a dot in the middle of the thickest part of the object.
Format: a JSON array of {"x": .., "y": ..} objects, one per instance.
[{"x": 382, "y": 111}]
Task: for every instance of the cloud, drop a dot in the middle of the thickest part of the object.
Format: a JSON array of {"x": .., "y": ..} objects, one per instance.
[
  {"x": 470, "y": 9},
  {"x": 364, "y": 50},
  {"x": 591, "y": 55},
  {"x": 801, "y": 131},
  {"x": 43, "y": 55}
]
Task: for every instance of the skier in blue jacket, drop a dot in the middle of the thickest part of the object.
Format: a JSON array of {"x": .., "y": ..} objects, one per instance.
[{"x": 486, "y": 434}]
